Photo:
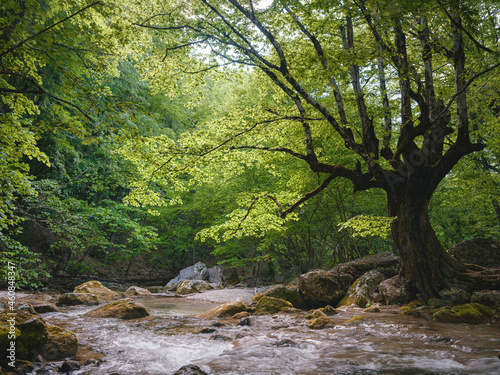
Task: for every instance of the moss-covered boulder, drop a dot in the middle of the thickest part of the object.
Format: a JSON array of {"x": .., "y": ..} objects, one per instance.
[
  {"x": 226, "y": 310},
  {"x": 74, "y": 299},
  {"x": 361, "y": 291},
  {"x": 125, "y": 308},
  {"x": 95, "y": 287},
  {"x": 467, "y": 313},
  {"x": 135, "y": 291},
  {"x": 271, "y": 305},
  {"x": 192, "y": 286},
  {"x": 32, "y": 334},
  {"x": 321, "y": 322},
  {"x": 314, "y": 314},
  {"x": 489, "y": 298},
  {"x": 61, "y": 344},
  {"x": 287, "y": 293},
  {"x": 356, "y": 319}
]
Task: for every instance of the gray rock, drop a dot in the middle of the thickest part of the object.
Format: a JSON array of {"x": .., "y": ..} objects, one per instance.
[
  {"x": 197, "y": 272},
  {"x": 386, "y": 263},
  {"x": 489, "y": 298},
  {"x": 222, "y": 276},
  {"x": 484, "y": 252},
  {"x": 190, "y": 370},
  {"x": 321, "y": 288},
  {"x": 192, "y": 286},
  {"x": 455, "y": 295},
  {"x": 393, "y": 291},
  {"x": 360, "y": 292}
]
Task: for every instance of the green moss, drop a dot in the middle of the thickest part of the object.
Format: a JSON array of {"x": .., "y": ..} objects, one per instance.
[
  {"x": 407, "y": 310},
  {"x": 321, "y": 322},
  {"x": 468, "y": 313},
  {"x": 271, "y": 305},
  {"x": 356, "y": 319}
]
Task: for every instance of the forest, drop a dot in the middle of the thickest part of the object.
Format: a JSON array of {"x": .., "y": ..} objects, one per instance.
[{"x": 277, "y": 137}]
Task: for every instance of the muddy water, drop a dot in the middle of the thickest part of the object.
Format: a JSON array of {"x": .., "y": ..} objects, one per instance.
[{"x": 384, "y": 343}]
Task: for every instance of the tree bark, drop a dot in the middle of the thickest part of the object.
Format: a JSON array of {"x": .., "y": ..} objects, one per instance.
[{"x": 426, "y": 267}]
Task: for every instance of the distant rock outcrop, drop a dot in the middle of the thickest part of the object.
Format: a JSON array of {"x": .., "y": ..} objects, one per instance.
[
  {"x": 481, "y": 251},
  {"x": 217, "y": 276}
]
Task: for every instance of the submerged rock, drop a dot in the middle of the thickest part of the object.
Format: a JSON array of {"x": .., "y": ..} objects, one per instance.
[
  {"x": 360, "y": 292},
  {"x": 287, "y": 293},
  {"x": 481, "y": 251},
  {"x": 102, "y": 293},
  {"x": 190, "y": 370},
  {"x": 122, "y": 309},
  {"x": 468, "y": 313},
  {"x": 73, "y": 299},
  {"x": 226, "y": 310},
  {"x": 271, "y": 305}
]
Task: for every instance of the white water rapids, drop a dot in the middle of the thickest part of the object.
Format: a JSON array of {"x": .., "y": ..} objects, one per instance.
[{"x": 384, "y": 343}]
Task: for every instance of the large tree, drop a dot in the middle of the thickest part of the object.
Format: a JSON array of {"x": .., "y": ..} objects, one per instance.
[{"x": 391, "y": 80}]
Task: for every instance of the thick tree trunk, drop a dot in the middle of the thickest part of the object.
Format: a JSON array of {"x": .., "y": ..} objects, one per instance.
[{"x": 426, "y": 267}]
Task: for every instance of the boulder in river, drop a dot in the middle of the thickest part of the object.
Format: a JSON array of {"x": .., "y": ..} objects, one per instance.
[
  {"x": 33, "y": 334},
  {"x": 73, "y": 299},
  {"x": 135, "y": 291},
  {"x": 226, "y": 310},
  {"x": 102, "y": 293},
  {"x": 360, "y": 292},
  {"x": 219, "y": 276},
  {"x": 125, "y": 308},
  {"x": 42, "y": 306},
  {"x": 489, "y": 298},
  {"x": 468, "y": 313},
  {"x": 271, "y": 305},
  {"x": 192, "y": 286},
  {"x": 481, "y": 251},
  {"x": 60, "y": 344},
  {"x": 288, "y": 293},
  {"x": 190, "y": 370},
  {"x": 321, "y": 322}
]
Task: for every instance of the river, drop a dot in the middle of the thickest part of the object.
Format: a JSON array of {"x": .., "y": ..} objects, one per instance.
[{"x": 384, "y": 343}]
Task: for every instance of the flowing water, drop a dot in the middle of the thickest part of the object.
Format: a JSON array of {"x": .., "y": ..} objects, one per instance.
[{"x": 384, "y": 343}]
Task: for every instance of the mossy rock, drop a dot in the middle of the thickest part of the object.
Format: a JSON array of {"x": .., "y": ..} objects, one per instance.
[
  {"x": 224, "y": 311},
  {"x": 122, "y": 309},
  {"x": 321, "y": 322},
  {"x": 468, "y": 313},
  {"x": 74, "y": 299},
  {"x": 360, "y": 292},
  {"x": 95, "y": 287},
  {"x": 356, "y": 319},
  {"x": 372, "y": 309},
  {"x": 407, "y": 310},
  {"x": 314, "y": 314},
  {"x": 43, "y": 306},
  {"x": 135, "y": 291},
  {"x": 61, "y": 344},
  {"x": 287, "y": 293},
  {"x": 271, "y": 305}
]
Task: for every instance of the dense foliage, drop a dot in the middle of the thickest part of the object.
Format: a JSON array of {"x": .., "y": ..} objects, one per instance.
[{"x": 151, "y": 135}]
